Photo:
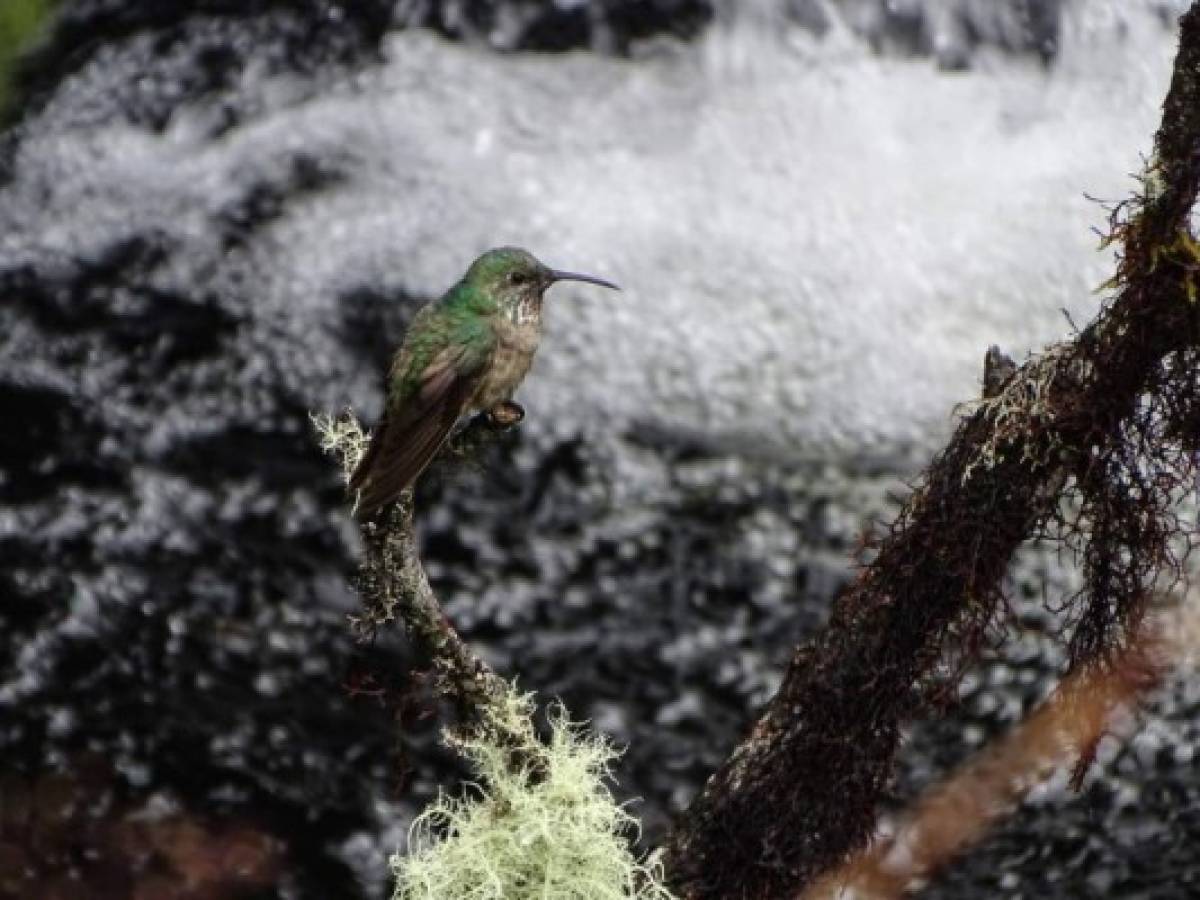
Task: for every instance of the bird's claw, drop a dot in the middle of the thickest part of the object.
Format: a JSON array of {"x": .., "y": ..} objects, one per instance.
[{"x": 505, "y": 414}]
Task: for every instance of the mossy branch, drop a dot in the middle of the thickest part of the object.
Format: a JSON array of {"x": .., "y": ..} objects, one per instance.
[
  {"x": 543, "y": 823},
  {"x": 1109, "y": 422},
  {"x": 392, "y": 581}
]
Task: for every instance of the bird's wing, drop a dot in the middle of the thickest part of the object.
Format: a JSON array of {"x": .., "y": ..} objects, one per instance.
[{"x": 410, "y": 433}]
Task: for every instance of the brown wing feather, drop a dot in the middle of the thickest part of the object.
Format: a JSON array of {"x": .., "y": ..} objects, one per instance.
[{"x": 403, "y": 445}]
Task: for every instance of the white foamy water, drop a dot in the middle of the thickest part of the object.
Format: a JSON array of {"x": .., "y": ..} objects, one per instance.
[{"x": 816, "y": 245}]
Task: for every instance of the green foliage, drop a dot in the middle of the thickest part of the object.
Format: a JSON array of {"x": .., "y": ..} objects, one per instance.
[
  {"x": 542, "y": 825},
  {"x": 19, "y": 22}
]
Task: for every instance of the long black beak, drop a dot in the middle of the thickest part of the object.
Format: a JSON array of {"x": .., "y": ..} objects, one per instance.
[{"x": 556, "y": 275}]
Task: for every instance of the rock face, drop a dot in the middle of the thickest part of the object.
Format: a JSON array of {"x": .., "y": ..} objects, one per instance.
[{"x": 216, "y": 220}]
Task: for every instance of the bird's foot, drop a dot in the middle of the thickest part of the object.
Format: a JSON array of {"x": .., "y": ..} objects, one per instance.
[
  {"x": 482, "y": 428},
  {"x": 505, "y": 414}
]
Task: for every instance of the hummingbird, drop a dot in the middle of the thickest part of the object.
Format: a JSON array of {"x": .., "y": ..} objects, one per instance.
[{"x": 463, "y": 353}]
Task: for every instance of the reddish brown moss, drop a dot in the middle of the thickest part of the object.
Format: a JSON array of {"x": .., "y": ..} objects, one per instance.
[{"x": 1091, "y": 444}]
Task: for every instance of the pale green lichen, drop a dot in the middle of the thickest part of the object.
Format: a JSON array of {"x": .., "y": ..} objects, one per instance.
[
  {"x": 342, "y": 437},
  {"x": 1021, "y": 408},
  {"x": 542, "y": 825}
]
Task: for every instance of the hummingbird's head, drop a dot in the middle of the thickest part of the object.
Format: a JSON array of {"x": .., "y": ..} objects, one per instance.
[{"x": 516, "y": 280}]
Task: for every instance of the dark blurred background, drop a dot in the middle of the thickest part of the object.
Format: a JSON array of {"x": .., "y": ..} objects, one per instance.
[{"x": 217, "y": 216}]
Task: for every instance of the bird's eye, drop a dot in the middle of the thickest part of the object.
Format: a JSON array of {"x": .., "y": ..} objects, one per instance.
[{"x": 517, "y": 278}]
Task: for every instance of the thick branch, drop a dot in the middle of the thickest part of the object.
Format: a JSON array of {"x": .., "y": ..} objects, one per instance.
[
  {"x": 801, "y": 790},
  {"x": 1060, "y": 734}
]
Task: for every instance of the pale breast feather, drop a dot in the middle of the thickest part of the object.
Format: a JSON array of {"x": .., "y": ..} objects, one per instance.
[{"x": 510, "y": 362}]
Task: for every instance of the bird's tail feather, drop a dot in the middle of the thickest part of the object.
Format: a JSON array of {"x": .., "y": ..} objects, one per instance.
[{"x": 397, "y": 467}]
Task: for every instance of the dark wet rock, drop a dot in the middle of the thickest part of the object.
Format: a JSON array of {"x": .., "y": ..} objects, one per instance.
[
  {"x": 207, "y": 45},
  {"x": 949, "y": 31},
  {"x": 552, "y": 25},
  {"x": 952, "y": 32}
]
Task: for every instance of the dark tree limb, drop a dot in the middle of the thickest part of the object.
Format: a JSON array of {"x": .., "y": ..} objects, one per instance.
[
  {"x": 1118, "y": 410},
  {"x": 956, "y": 813}
]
